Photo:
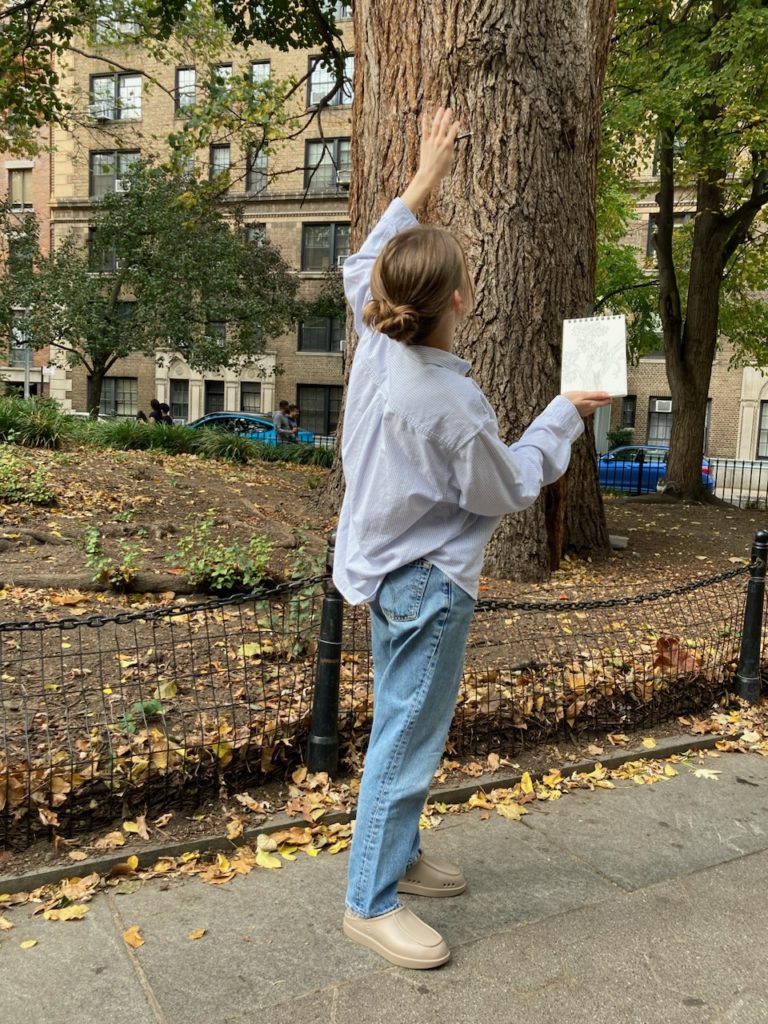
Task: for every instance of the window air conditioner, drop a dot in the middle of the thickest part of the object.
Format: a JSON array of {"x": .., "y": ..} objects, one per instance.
[
  {"x": 340, "y": 260},
  {"x": 101, "y": 111},
  {"x": 121, "y": 185},
  {"x": 343, "y": 177},
  {"x": 661, "y": 405}
]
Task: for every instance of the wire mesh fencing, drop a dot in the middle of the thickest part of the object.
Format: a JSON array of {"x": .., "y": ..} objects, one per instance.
[
  {"x": 542, "y": 670},
  {"x": 158, "y": 708},
  {"x": 154, "y": 708}
]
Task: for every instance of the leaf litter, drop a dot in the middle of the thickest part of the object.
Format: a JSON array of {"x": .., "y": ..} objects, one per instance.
[{"x": 744, "y": 730}]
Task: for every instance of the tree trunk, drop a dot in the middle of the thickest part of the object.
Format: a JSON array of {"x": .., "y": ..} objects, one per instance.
[
  {"x": 689, "y": 362},
  {"x": 525, "y": 80},
  {"x": 97, "y": 382}
]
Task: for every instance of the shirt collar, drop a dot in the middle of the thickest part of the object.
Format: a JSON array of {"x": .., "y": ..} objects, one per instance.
[{"x": 439, "y": 357}]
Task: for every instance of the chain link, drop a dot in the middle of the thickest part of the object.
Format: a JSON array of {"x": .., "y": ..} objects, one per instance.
[
  {"x": 153, "y": 614},
  {"x": 491, "y": 604}
]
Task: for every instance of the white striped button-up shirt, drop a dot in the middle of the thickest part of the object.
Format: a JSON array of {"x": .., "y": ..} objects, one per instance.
[{"x": 426, "y": 473}]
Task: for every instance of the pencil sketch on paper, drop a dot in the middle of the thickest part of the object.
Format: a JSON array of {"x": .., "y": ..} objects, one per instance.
[{"x": 595, "y": 355}]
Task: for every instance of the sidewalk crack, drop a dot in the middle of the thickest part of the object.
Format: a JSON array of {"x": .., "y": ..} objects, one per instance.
[{"x": 146, "y": 988}]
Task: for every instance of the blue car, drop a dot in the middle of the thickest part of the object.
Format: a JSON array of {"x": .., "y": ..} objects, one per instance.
[
  {"x": 641, "y": 469},
  {"x": 248, "y": 424}
]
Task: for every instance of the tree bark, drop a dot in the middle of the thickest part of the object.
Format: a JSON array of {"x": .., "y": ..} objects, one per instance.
[{"x": 526, "y": 81}]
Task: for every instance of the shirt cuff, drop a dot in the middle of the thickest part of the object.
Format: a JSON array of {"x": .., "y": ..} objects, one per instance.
[
  {"x": 400, "y": 213},
  {"x": 565, "y": 414}
]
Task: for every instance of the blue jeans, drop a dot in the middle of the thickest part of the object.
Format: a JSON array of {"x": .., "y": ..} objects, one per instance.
[{"x": 419, "y": 625}]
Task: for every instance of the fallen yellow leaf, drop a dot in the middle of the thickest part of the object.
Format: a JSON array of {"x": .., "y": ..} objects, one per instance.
[
  {"x": 649, "y": 742},
  {"x": 132, "y": 937},
  {"x": 526, "y": 784},
  {"x": 198, "y": 933},
  {"x": 267, "y": 860},
  {"x": 74, "y": 912},
  {"x": 511, "y": 811},
  {"x": 28, "y": 943},
  {"x": 5, "y": 924}
]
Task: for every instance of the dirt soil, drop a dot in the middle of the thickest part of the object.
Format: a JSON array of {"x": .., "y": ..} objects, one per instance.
[{"x": 150, "y": 500}]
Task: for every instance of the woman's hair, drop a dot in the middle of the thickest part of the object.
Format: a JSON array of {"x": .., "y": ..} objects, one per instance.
[{"x": 412, "y": 282}]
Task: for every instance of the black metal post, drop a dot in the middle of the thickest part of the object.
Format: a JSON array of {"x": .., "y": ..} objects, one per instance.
[
  {"x": 323, "y": 749},
  {"x": 747, "y": 684},
  {"x": 640, "y": 464}
]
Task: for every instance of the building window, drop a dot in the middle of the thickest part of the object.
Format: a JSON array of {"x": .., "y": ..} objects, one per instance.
[
  {"x": 327, "y": 164},
  {"x": 678, "y": 221},
  {"x": 20, "y": 188},
  {"x": 214, "y": 396},
  {"x": 119, "y": 396},
  {"x": 342, "y": 11},
  {"x": 321, "y": 334},
  {"x": 250, "y": 396},
  {"x": 219, "y": 160},
  {"x": 628, "y": 410},
  {"x": 256, "y": 234},
  {"x": 256, "y": 173},
  {"x": 108, "y": 171},
  {"x": 322, "y": 82},
  {"x": 320, "y": 405},
  {"x": 185, "y": 89},
  {"x": 762, "y": 433},
  {"x": 114, "y": 21},
  {"x": 260, "y": 71},
  {"x": 222, "y": 74},
  {"x": 216, "y": 331},
  {"x": 100, "y": 260},
  {"x": 179, "y": 399},
  {"x": 324, "y": 246},
  {"x": 115, "y": 97},
  {"x": 659, "y": 421},
  {"x": 20, "y": 354}
]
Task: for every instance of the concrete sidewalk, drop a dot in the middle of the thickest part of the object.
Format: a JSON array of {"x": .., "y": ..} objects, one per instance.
[{"x": 640, "y": 905}]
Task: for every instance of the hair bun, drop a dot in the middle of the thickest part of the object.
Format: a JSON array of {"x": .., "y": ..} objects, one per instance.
[{"x": 400, "y": 323}]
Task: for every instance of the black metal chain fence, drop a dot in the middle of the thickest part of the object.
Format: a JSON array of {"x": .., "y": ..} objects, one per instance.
[{"x": 153, "y": 709}]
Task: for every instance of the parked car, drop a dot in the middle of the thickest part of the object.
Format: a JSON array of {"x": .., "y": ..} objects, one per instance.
[
  {"x": 248, "y": 424},
  {"x": 641, "y": 469}
]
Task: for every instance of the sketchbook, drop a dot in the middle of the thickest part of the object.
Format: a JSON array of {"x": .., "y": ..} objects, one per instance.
[{"x": 595, "y": 355}]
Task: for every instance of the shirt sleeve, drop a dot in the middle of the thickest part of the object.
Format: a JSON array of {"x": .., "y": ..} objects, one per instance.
[
  {"x": 494, "y": 478},
  {"x": 357, "y": 268}
]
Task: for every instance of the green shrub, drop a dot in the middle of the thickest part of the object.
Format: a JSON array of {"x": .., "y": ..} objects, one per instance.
[
  {"x": 118, "y": 573},
  {"x": 33, "y": 422},
  {"x": 173, "y": 440},
  {"x": 23, "y": 481},
  {"x": 211, "y": 564},
  {"x": 620, "y": 436},
  {"x": 224, "y": 444},
  {"x": 124, "y": 435}
]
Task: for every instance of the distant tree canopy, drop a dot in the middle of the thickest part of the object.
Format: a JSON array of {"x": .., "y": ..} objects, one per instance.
[
  {"x": 689, "y": 82},
  {"x": 162, "y": 270},
  {"x": 36, "y": 34}
]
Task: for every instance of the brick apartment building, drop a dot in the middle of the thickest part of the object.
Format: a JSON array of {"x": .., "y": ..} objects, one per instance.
[
  {"x": 304, "y": 214},
  {"x": 297, "y": 198}
]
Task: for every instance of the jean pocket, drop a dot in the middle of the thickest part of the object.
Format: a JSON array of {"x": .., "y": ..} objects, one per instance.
[{"x": 402, "y": 592}]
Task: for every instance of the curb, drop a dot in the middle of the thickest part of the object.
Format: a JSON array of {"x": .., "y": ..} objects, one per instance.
[{"x": 449, "y": 794}]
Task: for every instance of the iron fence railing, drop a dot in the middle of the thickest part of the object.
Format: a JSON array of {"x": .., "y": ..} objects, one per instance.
[
  {"x": 152, "y": 709},
  {"x": 639, "y": 470}
]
